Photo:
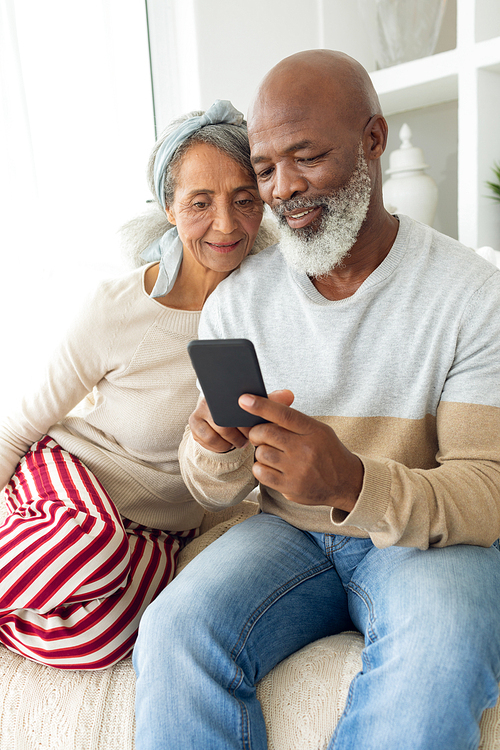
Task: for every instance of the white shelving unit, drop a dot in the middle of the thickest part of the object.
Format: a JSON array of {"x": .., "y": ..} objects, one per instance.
[{"x": 468, "y": 75}]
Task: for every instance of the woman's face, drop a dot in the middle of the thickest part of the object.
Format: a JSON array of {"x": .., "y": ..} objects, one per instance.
[{"x": 216, "y": 208}]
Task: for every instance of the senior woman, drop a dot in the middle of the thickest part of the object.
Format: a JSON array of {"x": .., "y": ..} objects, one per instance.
[{"x": 97, "y": 508}]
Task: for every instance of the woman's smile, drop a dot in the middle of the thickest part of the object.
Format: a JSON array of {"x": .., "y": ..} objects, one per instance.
[{"x": 223, "y": 247}]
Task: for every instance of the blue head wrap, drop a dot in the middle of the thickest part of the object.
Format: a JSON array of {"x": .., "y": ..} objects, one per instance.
[{"x": 168, "y": 249}]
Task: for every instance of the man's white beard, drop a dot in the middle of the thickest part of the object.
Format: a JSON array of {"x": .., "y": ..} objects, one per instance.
[{"x": 316, "y": 251}]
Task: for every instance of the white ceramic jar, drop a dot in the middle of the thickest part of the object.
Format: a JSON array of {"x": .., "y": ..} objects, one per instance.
[{"x": 409, "y": 190}]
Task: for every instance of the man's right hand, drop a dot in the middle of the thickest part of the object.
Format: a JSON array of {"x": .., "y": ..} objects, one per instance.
[{"x": 224, "y": 439}]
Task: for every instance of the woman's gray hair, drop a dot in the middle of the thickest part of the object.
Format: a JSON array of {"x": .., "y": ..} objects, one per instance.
[{"x": 138, "y": 234}]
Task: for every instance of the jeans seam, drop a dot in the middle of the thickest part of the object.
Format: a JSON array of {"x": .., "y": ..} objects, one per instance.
[
  {"x": 247, "y": 630},
  {"x": 269, "y": 601},
  {"x": 365, "y": 597},
  {"x": 244, "y": 719},
  {"x": 332, "y": 548},
  {"x": 372, "y": 637}
]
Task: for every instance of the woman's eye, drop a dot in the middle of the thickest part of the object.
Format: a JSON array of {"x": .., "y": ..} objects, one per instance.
[
  {"x": 244, "y": 202},
  {"x": 200, "y": 204}
]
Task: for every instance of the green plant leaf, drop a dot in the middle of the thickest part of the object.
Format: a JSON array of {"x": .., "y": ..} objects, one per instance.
[{"x": 495, "y": 186}]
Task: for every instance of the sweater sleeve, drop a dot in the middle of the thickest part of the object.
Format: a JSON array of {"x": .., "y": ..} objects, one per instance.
[
  {"x": 79, "y": 362},
  {"x": 216, "y": 480},
  {"x": 458, "y": 502}
]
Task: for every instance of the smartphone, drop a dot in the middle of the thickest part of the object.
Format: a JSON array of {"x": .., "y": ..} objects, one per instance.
[{"x": 227, "y": 368}]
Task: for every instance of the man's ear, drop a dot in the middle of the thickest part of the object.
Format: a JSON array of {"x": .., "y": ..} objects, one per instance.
[
  {"x": 170, "y": 215},
  {"x": 375, "y": 136}
]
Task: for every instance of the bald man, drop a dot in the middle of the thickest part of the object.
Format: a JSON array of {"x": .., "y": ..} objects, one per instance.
[{"x": 379, "y": 487}]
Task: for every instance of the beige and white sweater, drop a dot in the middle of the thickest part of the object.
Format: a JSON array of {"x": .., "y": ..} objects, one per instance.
[
  {"x": 406, "y": 371},
  {"x": 117, "y": 394}
]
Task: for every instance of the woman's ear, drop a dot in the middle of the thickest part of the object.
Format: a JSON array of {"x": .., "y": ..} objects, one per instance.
[{"x": 170, "y": 215}]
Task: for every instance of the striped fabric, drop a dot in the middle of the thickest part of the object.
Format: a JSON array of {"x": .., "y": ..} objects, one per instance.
[{"x": 75, "y": 577}]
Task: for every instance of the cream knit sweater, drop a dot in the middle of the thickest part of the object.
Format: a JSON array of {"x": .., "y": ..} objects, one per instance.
[{"x": 117, "y": 394}]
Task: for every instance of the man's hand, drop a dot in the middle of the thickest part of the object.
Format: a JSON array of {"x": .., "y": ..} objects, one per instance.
[
  {"x": 301, "y": 457},
  {"x": 223, "y": 439}
]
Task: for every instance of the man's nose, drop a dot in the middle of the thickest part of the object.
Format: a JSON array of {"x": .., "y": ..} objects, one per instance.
[
  {"x": 288, "y": 182},
  {"x": 224, "y": 220}
]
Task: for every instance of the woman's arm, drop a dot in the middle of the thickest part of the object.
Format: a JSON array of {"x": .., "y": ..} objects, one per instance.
[{"x": 79, "y": 362}]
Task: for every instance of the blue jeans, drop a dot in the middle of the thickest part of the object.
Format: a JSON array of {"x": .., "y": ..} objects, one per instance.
[{"x": 431, "y": 621}]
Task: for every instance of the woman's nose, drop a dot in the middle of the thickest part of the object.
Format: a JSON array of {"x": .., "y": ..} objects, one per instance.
[{"x": 224, "y": 220}]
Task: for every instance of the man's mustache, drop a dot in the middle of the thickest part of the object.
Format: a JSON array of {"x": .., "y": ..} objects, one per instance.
[{"x": 293, "y": 204}]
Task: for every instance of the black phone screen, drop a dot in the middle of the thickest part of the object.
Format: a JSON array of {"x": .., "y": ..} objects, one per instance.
[{"x": 227, "y": 368}]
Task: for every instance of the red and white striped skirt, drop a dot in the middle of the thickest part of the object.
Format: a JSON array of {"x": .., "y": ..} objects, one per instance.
[{"x": 75, "y": 577}]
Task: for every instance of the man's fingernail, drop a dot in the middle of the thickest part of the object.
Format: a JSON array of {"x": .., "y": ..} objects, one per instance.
[{"x": 247, "y": 400}]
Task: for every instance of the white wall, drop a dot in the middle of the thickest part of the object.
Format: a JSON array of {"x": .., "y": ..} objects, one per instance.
[
  {"x": 243, "y": 43},
  {"x": 238, "y": 41},
  {"x": 202, "y": 50}
]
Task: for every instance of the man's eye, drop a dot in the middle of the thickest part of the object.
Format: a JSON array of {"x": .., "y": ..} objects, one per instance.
[
  {"x": 200, "y": 204},
  {"x": 244, "y": 202},
  {"x": 264, "y": 174}
]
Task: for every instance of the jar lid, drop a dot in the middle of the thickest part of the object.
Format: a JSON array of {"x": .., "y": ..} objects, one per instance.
[{"x": 407, "y": 157}]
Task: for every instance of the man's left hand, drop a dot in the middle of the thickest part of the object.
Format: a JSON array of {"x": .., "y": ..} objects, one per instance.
[{"x": 301, "y": 457}]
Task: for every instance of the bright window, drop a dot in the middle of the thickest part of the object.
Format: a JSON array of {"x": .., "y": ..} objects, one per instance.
[{"x": 76, "y": 128}]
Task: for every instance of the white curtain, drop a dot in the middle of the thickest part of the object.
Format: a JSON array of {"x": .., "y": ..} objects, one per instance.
[{"x": 76, "y": 128}]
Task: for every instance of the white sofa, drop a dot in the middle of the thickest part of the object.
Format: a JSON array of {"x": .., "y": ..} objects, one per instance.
[{"x": 42, "y": 708}]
